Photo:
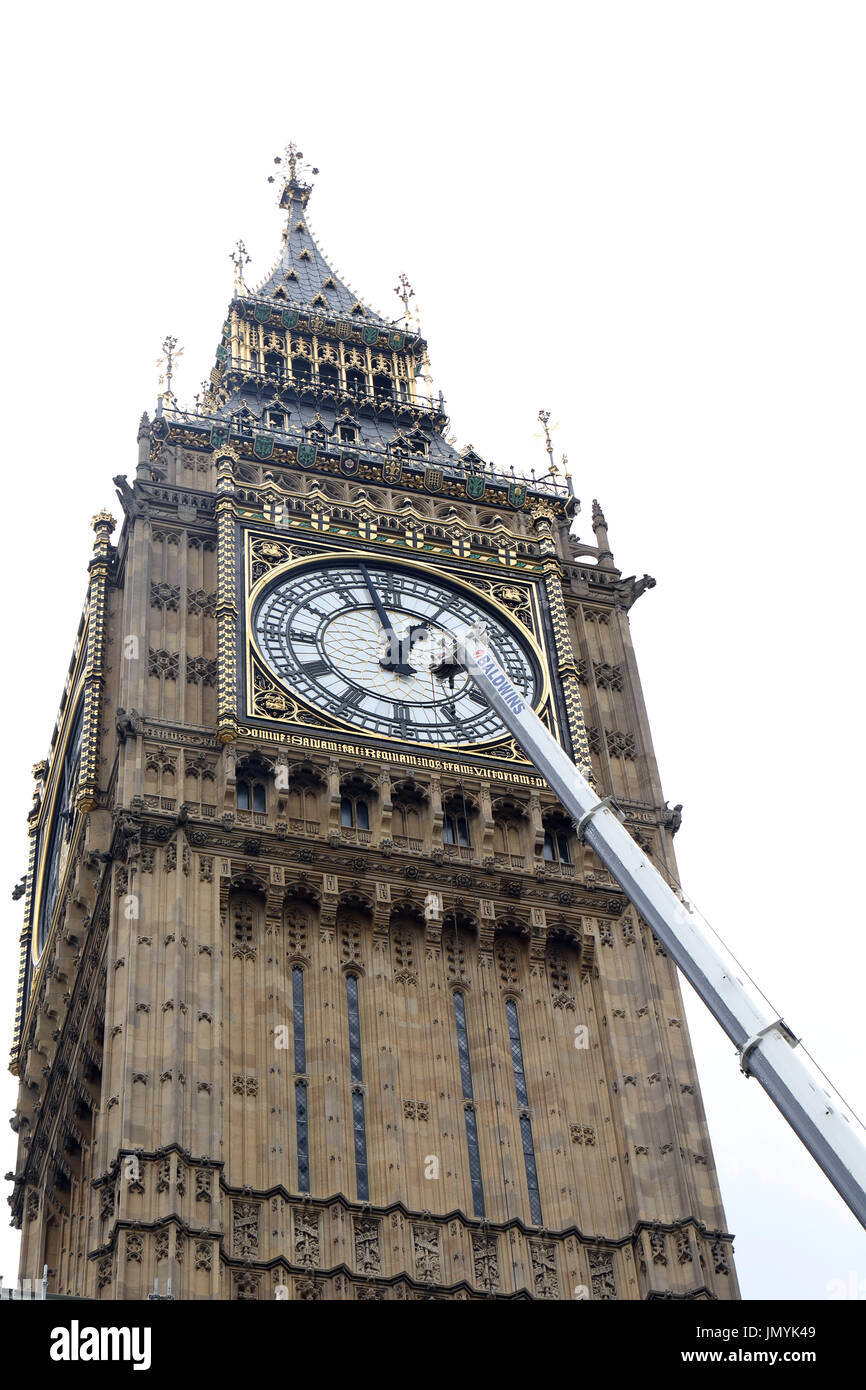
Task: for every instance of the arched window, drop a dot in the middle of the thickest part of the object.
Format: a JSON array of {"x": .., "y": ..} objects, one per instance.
[
  {"x": 302, "y": 371},
  {"x": 356, "y": 382},
  {"x": 356, "y": 1076},
  {"x": 251, "y": 796},
  {"x": 300, "y": 1041},
  {"x": 523, "y": 1111},
  {"x": 383, "y": 387},
  {"x": 468, "y": 1103},
  {"x": 455, "y": 830},
  {"x": 328, "y": 375},
  {"x": 273, "y": 364},
  {"x": 354, "y": 813},
  {"x": 557, "y": 849}
]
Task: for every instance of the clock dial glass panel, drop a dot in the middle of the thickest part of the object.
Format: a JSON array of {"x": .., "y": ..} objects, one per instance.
[{"x": 321, "y": 632}]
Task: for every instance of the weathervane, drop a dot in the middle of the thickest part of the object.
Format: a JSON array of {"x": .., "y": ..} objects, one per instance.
[
  {"x": 172, "y": 352},
  {"x": 291, "y": 157},
  {"x": 404, "y": 292},
  {"x": 239, "y": 259}
]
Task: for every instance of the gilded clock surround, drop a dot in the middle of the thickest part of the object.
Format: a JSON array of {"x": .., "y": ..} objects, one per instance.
[
  {"x": 303, "y": 713},
  {"x": 215, "y": 889}
]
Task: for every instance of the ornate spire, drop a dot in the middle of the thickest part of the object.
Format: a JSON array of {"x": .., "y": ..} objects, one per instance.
[
  {"x": 599, "y": 526},
  {"x": 302, "y": 278}
]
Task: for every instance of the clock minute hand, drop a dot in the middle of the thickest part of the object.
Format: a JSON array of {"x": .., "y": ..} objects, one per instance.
[{"x": 402, "y": 668}]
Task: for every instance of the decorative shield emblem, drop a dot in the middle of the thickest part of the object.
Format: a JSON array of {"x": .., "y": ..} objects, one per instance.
[
  {"x": 507, "y": 553},
  {"x": 414, "y": 537},
  {"x": 262, "y": 313},
  {"x": 221, "y": 353},
  {"x": 317, "y": 323},
  {"x": 370, "y": 336},
  {"x": 367, "y": 529},
  {"x": 320, "y": 521},
  {"x": 263, "y": 447},
  {"x": 395, "y": 341},
  {"x": 517, "y": 494},
  {"x": 219, "y": 436},
  {"x": 159, "y": 429},
  {"x": 475, "y": 486},
  {"x": 392, "y": 470},
  {"x": 349, "y": 464},
  {"x": 433, "y": 479},
  {"x": 274, "y": 703},
  {"x": 342, "y": 330},
  {"x": 306, "y": 455},
  {"x": 460, "y": 546},
  {"x": 290, "y": 318}
]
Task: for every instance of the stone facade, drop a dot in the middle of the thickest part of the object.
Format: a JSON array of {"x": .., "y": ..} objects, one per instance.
[{"x": 197, "y": 1096}]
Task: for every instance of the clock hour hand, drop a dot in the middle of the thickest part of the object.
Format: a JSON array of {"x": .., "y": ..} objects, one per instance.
[{"x": 402, "y": 668}]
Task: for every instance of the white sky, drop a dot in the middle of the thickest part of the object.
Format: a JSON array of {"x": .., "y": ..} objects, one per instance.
[{"x": 648, "y": 218}]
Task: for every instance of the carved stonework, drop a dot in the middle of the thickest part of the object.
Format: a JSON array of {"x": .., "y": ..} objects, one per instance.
[
  {"x": 545, "y": 1281},
  {"x": 719, "y": 1254},
  {"x": 245, "y": 1228},
  {"x": 367, "y": 1256},
  {"x": 658, "y": 1247},
  {"x": 246, "y": 1285},
  {"x": 306, "y": 1236},
  {"x": 428, "y": 1259},
  {"x": 485, "y": 1260},
  {"x": 602, "y": 1275}
]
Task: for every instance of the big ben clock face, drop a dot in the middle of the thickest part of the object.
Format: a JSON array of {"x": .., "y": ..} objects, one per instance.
[{"x": 327, "y": 634}]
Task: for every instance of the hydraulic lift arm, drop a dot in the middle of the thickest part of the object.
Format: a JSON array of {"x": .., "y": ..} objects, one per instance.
[{"x": 767, "y": 1048}]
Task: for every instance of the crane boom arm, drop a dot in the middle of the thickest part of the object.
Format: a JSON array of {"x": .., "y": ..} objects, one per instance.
[{"x": 767, "y": 1048}]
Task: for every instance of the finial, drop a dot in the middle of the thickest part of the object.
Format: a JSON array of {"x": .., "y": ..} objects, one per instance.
[
  {"x": 544, "y": 421},
  {"x": 404, "y": 292},
  {"x": 239, "y": 259},
  {"x": 103, "y": 524},
  {"x": 597, "y": 516},
  {"x": 292, "y": 159},
  {"x": 172, "y": 352}
]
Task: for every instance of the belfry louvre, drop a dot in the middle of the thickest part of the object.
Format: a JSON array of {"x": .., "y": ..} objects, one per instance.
[{"x": 321, "y": 997}]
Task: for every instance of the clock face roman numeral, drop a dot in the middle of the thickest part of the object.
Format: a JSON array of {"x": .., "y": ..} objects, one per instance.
[{"x": 347, "y": 668}]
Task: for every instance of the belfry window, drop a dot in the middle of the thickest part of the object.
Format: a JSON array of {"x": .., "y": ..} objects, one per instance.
[
  {"x": 275, "y": 419},
  {"x": 348, "y": 434},
  {"x": 273, "y": 364},
  {"x": 354, "y": 813},
  {"x": 356, "y": 382},
  {"x": 329, "y": 375},
  {"x": 383, "y": 388},
  {"x": 301, "y": 371}
]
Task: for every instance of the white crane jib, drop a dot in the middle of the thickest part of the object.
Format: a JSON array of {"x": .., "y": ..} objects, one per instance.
[{"x": 766, "y": 1046}]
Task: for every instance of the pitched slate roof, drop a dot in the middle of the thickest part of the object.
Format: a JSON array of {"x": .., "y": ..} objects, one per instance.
[{"x": 302, "y": 273}]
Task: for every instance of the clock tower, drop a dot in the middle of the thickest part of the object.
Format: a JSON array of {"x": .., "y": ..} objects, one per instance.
[{"x": 321, "y": 996}]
